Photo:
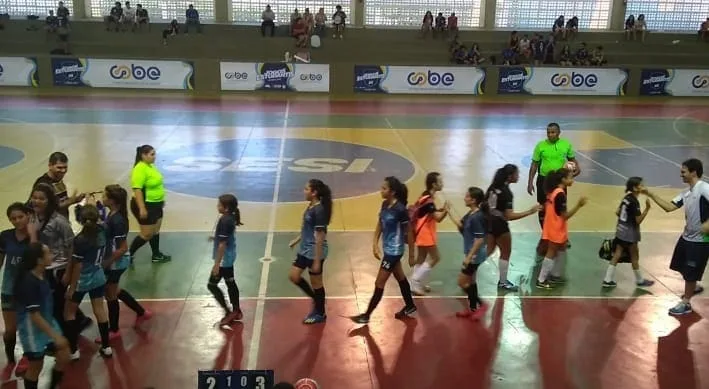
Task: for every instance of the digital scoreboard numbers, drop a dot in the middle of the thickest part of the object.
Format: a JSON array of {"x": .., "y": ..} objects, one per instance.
[{"x": 235, "y": 379}]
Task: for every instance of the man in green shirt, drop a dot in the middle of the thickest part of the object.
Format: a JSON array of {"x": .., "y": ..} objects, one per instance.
[{"x": 549, "y": 155}]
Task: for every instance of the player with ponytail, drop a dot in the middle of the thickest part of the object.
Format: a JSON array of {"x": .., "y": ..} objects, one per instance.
[
  {"x": 312, "y": 251},
  {"x": 224, "y": 256},
  {"x": 473, "y": 227},
  {"x": 117, "y": 259},
  {"x": 393, "y": 225}
]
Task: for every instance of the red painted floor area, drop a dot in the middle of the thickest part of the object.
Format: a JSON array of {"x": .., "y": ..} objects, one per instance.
[{"x": 523, "y": 343}]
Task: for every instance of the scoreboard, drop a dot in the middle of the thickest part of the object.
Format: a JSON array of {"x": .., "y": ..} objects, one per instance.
[{"x": 235, "y": 379}]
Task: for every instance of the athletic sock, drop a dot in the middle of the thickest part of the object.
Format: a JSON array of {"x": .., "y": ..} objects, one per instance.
[
  {"x": 610, "y": 274},
  {"x": 406, "y": 292},
  {"x": 103, "y": 331},
  {"x": 559, "y": 265},
  {"x": 137, "y": 243},
  {"x": 319, "y": 300},
  {"x": 155, "y": 244},
  {"x": 374, "y": 301},
  {"x": 638, "y": 276},
  {"x": 131, "y": 302},
  {"x": 547, "y": 266},
  {"x": 472, "y": 292},
  {"x": 504, "y": 265},
  {"x": 114, "y": 310},
  {"x": 219, "y": 296},
  {"x": 305, "y": 287}
]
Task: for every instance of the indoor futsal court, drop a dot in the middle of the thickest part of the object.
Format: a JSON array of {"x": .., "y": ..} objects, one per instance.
[{"x": 576, "y": 336}]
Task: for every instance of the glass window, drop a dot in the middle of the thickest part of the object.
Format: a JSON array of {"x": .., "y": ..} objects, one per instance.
[
  {"x": 249, "y": 11},
  {"x": 157, "y": 9},
  {"x": 409, "y": 13},
  {"x": 32, "y": 7},
  {"x": 670, "y": 15},
  {"x": 540, "y": 14}
]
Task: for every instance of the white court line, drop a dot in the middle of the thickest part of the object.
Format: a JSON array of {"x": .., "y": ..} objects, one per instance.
[
  {"x": 610, "y": 170},
  {"x": 397, "y": 297},
  {"x": 252, "y": 359}
]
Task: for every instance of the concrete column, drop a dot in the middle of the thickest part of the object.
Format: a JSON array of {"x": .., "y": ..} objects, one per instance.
[
  {"x": 488, "y": 13},
  {"x": 222, "y": 11},
  {"x": 357, "y": 7},
  {"x": 617, "y": 21},
  {"x": 79, "y": 9}
]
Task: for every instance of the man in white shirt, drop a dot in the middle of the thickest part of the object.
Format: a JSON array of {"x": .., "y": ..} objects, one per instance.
[
  {"x": 692, "y": 249},
  {"x": 129, "y": 16},
  {"x": 268, "y": 18}
]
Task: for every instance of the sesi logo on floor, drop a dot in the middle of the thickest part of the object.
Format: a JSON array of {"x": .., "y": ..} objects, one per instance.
[{"x": 250, "y": 168}]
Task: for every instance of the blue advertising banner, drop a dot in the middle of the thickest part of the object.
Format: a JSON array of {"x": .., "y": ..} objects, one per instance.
[
  {"x": 447, "y": 80},
  {"x": 512, "y": 80},
  {"x": 674, "y": 82}
]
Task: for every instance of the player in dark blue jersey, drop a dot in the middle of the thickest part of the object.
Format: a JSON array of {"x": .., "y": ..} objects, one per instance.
[
  {"x": 86, "y": 276},
  {"x": 13, "y": 243},
  {"x": 38, "y": 329},
  {"x": 394, "y": 229},
  {"x": 117, "y": 260},
  {"x": 313, "y": 247},
  {"x": 224, "y": 255},
  {"x": 473, "y": 227}
]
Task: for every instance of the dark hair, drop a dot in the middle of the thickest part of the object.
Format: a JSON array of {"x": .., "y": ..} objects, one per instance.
[
  {"x": 30, "y": 259},
  {"x": 52, "y": 201},
  {"x": 90, "y": 227},
  {"x": 119, "y": 197},
  {"x": 324, "y": 195},
  {"x": 632, "y": 183},
  {"x": 401, "y": 192},
  {"x": 694, "y": 165},
  {"x": 502, "y": 175},
  {"x": 140, "y": 151},
  {"x": 231, "y": 203},
  {"x": 58, "y": 157},
  {"x": 554, "y": 125},
  {"x": 554, "y": 178},
  {"x": 17, "y": 206},
  {"x": 431, "y": 180},
  {"x": 478, "y": 195}
]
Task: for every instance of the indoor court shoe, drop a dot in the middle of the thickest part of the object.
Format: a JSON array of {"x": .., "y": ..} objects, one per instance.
[
  {"x": 405, "y": 312},
  {"x": 162, "y": 258},
  {"x": 315, "y": 318},
  {"x": 143, "y": 318},
  {"x": 609, "y": 284},
  {"x": 7, "y": 371},
  {"x": 22, "y": 367},
  {"x": 645, "y": 283},
  {"x": 360, "y": 319},
  {"x": 105, "y": 352},
  {"x": 479, "y": 313},
  {"x": 466, "y": 314},
  {"x": 557, "y": 280},
  {"x": 544, "y": 285},
  {"x": 507, "y": 286},
  {"x": 680, "y": 309}
]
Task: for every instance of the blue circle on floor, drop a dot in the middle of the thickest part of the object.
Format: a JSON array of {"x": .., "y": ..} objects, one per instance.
[
  {"x": 659, "y": 166},
  {"x": 10, "y": 156},
  {"x": 249, "y": 168}
]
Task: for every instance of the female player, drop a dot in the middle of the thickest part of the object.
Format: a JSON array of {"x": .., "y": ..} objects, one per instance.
[
  {"x": 37, "y": 328},
  {"x": 473, "y": 228},
  {"x": 53, "y": 230},
  {"x": 312, "y": 251},
  {"x": 116, "y": 260},
  {"x": 224, "y": 256},
  {"x": 500, "y": 199},
  {"x": 13, "y": 243},
  {"x": 555, "y": 231},
  {"x": 424, "y": 222},
  {"x": 86, "y": 276},
  {"x": 627, "y": 233},
  {"x": 148, "y": 202},
  {"x": 393, "y": 225}
]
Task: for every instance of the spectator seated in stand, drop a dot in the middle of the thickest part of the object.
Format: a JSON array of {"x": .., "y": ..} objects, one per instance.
[
  {"x": 63, "y": 14},
  {"x": 172, "y": 30},
  {"x": 641, "y": 27},
  {"x": 597, "y": 57},
  {"x": 300, "y": 33},
  {"x": 558, "y": 28},
  {"x": 128, "y": 20},
  {"x": 141, "y": 17},
  {"x": 51, "y": 23},
  {"x": 572, "y": 28},
  {"x": 509, "y": 56},
  {"x": 427, "y": 24},
  {"x": 566, "y": 58},
  {"x": 192, "y": 19},
  {"x": 703, "y": 33},
  {"x": 453, "y": 25},
  {"x": 320, "y": 20},
  {"x": 114, "y": 17},
  {"x": 582, "y": 56},
  {"x": 440, "y": 25}
]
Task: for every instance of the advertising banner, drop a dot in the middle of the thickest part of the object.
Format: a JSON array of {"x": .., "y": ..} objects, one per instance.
[
  {"x": 122, "y": 73},
  {"x": 674, "y": 82},
  {"x": 563, "y": 81},
  {"x": 278, "y": 76},
  {"x": 18, "y": 71},
  {"x": 446, "y": 80}
]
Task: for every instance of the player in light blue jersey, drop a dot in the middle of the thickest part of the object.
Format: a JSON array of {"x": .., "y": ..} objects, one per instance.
[
  {"x": 394, "y": 229},
  {"x": 117, "y": 260},
  {"x": 313, "y": 247},
  {"x": 38, "y": 330},
  {"x": 224, "y": 255},
  {"x": 86, "y": 276},
  {"x": 473, "y": 227},
  {"x": 13, "y": 243}
]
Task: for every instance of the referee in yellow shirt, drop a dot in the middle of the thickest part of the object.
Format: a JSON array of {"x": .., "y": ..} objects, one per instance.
[
  {"x": 148, "y": 202},
  {"x": 549, "y": 155}
]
